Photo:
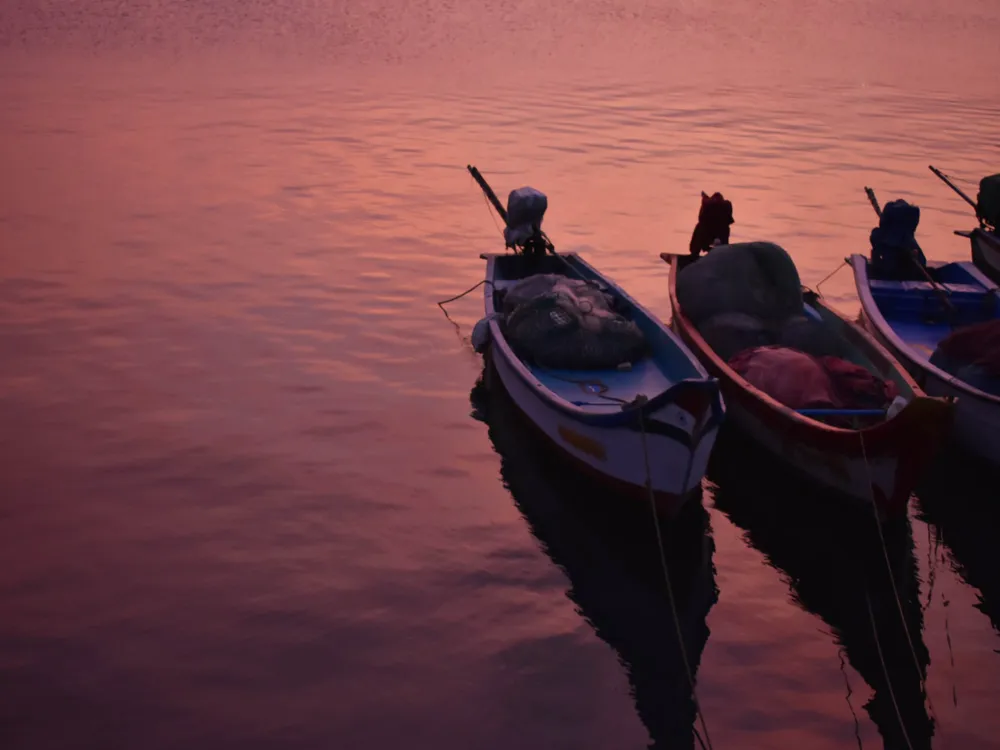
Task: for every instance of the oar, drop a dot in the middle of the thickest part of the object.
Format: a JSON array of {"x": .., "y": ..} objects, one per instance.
[{"x": 943, "y": 293}]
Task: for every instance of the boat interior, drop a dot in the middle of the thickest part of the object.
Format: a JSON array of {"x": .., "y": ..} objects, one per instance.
[
  {"x": 606, "y": 389},
  {"x": 918, "y": 313}
]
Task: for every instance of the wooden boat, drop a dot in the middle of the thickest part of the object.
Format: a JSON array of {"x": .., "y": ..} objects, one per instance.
[
  {"x": 651, "y": 425},
  {"x": 646, "y": 429},
  {"x": 910, "y": 318},
  {"x": 878, "y": 462}
]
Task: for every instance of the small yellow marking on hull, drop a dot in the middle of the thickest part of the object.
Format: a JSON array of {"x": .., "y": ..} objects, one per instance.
[{"x": 583, "y": 443}]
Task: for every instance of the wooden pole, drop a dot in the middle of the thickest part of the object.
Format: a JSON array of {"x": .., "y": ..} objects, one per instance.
[
  {"x": 954, "y": 187},
  {"x": 489, "y": 192}
]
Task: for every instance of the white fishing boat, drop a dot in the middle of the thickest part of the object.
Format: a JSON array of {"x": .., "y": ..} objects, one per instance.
[{"x": 646, "y": 425}]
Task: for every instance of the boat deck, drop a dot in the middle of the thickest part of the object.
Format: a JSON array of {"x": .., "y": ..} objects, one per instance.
[
  {"x": 584, "y": 387},
  {"x": 923, "y": 338},
  {"x": 916, "y": 311}
]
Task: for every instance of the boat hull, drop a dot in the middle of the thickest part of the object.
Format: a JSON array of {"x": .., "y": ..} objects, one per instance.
[
  {"x": 857, "y": 472},
  {"x": 616, "y": 456},
  {"x": 986, "y": 252},
  {"x": 881, "y": 471}
]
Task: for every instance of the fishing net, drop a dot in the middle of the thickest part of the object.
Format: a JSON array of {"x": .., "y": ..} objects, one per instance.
[
  {"x": 810, "y": 336},
  {"x": 731, "y": 332},
  {"x": 562, "y": 323}
]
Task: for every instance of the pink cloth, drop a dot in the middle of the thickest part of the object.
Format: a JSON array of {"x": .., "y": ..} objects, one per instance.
[
  {"x": 786, "y": 375},
  {"x": 801, "y": 381},
  {"x": 977, "y": 344}
]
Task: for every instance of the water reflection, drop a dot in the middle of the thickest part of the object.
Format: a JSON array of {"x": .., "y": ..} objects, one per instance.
[
  {"x": 958, "y": 500},
  {"x": 610, "y": 555},
  {"x": 833, "y": 561}
]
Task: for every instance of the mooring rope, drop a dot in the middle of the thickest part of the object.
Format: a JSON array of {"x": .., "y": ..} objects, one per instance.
[
  {"x": 444, "y": 302},
  {"x": 885, "y": 670},
  {"x": 831, "y": 274},
  {"x": 895, "y": 593},
  {"x": 639, "y": 402}
]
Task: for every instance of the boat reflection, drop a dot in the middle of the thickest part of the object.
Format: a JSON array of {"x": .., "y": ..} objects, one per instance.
[
  {"x": 608, "y": 550},
  {"x": 958, "y": 501},
  {"x": 833, "y": 561}
]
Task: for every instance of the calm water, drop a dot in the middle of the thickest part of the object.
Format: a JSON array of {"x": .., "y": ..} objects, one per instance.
[{"x": 252, "y": 494}]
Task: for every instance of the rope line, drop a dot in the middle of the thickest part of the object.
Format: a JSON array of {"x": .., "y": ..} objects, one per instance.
[
  {"x": 885, "y": 670},
  {"x": 639, "y": 401},
  {"x": 895, "y": 591},
  {"x": 831, "y": 274},
  {"x": 442, "y": 303},
  {"x": 478, "y": 284},
  {"x": 888, "y": 565}
]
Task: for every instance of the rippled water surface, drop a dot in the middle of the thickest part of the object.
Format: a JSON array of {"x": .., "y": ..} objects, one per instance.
[{"x": 252, "y": 493}]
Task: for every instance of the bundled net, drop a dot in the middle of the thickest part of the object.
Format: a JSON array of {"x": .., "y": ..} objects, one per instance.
[{"x": 563, "y": 323}]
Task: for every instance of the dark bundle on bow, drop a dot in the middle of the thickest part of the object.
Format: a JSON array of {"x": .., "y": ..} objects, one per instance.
[{"x": 714, "y": 219}]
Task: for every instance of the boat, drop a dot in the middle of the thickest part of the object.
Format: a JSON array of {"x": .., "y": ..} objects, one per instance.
[
  {"x": 877, "y": 461},
  {"x": 910, "y": 318},
  {"x": 646, "y": 427},
  {"x": 984, "y": 239}
]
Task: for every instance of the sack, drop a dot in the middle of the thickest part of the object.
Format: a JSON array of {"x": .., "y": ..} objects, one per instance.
[{"x": 753, "y": 278}]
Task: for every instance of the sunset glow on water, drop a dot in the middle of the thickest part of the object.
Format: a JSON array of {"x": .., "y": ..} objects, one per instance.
[{"x": 250, "y": 493}]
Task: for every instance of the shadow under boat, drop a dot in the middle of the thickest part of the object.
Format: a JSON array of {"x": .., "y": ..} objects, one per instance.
[
  {"x": 958, "y": 499},
  {"x": 835, "y": 567},
  {"x": 608, "y": 550}
]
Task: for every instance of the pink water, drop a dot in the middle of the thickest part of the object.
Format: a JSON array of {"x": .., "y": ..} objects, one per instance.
[{"x": 243, "y": 502}]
